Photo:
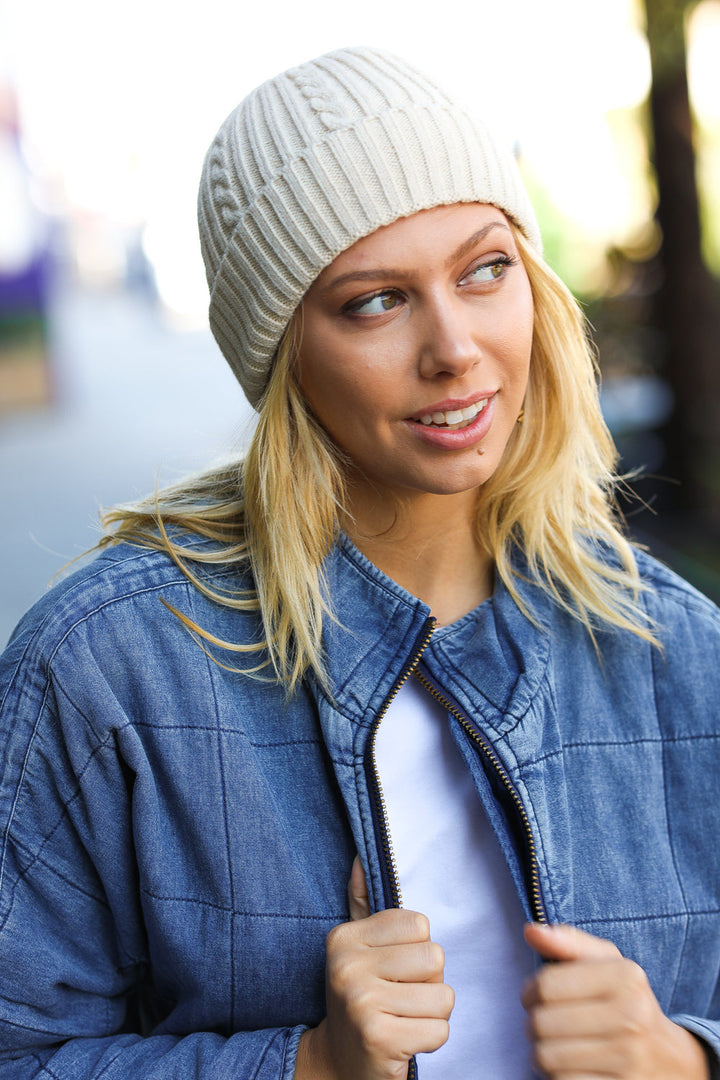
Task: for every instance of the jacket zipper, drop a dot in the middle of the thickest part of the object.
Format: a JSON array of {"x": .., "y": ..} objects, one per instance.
[
  {"x": 536, "y": 901},
  {"x": 380, "y": 810},
  {"x": 381, "y": 819}
]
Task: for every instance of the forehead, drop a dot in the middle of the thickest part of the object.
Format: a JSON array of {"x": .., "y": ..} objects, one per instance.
[{"x": 434, "y": 232}]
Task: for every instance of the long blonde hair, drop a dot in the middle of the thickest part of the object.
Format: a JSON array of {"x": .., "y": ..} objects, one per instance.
[{"x": 278, "y": 511}]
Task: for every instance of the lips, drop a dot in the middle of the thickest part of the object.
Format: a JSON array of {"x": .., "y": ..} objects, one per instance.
[
  {"x": 455, "y": 423},
  {"x": 453, "y": 419}
]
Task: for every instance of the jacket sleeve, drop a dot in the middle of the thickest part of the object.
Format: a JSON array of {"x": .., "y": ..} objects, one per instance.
[
  {"x": 73, "y": 949},
  {"x": 708, "y": 1031}
]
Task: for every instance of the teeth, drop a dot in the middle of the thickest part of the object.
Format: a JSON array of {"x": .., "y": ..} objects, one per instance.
[{"x": 454, "y": 418}]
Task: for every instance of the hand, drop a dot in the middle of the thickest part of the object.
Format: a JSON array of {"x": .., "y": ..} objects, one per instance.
[
  {"x": 386, "y": 999},
  {"x": 592, "y": 1014}
]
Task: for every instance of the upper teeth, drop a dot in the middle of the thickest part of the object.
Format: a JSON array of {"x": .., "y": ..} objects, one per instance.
[{"x": 454, "y": 416}]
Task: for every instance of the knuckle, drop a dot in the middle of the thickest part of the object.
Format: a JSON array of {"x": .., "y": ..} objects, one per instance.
[
  {"x": 446, "y": 1002},
  {"x": 635, "y": 994},
  {"x": 418, "y": 925},
  {"x": 535, "y": 1022},
  {"x": 634, "y": 1021},
  {"x": 363, "y": 1003},
  {"x": 543, "y": 985},
  {"x": 337, "y": 937},
  {"x": 345, "y": 971},
  {"x": 443, "y": 1032},
  {"x": 636, "y": 977},
  {"x": 373, "y": 1034},
  {"x": 342, "y": 979},
  {"x": 544, "y": 1057},
  {"x": 607, "y": 949},
  {"x": 331, "y": 938},
  {"x": 434, "y": 956},
  {"x": 628, "y": 1025}
]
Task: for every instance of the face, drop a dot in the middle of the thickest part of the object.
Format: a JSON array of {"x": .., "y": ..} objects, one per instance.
[{"x": 416, "y": 348}]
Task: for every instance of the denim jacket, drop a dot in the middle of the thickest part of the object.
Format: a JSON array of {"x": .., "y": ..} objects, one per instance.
[{"x": 177, "y": 837}]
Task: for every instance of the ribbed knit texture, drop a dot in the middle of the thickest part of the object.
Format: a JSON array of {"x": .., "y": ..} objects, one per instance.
[{"x": 312, "y": 161}]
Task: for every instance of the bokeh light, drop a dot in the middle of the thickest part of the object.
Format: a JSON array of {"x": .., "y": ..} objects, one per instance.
[
  {"x": 105, "y": 116},
  {"x": 117, "y": 110}
]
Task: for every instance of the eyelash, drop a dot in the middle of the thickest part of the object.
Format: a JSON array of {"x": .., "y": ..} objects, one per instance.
[
  {"x": 353, "y": 307},
  {"x": 499, "y": 260}
]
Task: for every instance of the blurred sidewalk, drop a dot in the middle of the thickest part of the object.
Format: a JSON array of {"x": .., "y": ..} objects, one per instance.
[{"x": 136, "y": 403}]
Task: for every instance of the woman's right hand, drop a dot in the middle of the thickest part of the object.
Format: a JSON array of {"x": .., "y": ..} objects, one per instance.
[{"x": 386, "y": 999}]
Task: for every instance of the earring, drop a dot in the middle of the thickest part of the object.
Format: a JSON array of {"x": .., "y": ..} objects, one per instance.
[{"x": 521, "y": 416}]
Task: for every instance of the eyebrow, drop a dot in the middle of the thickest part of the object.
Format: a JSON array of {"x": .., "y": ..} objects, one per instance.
[{"x": 388, "y": 271}]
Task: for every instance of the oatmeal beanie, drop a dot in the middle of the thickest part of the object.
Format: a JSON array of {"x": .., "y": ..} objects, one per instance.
[{"x": 312, "y": 161}]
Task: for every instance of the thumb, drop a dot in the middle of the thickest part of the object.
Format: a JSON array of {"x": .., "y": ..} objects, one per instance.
[
  {"x": 357, "y": 892},
  {"x": 562, "y": 942}
]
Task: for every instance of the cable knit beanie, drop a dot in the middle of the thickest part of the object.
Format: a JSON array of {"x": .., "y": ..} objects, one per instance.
[{"x": 312, "y": 161}]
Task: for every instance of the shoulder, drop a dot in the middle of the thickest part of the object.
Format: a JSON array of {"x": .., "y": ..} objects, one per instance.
[
  {"x": 118, "y": 602},
  {"x": 617, "y": 682},
  {"x": 684, "y": 623},
  {"x": 683, "y": 665},
  {"x": 669, "y": 599}
]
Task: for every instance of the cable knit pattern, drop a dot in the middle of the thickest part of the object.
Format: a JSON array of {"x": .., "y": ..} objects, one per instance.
[
  {"x": 312, "y": 161},
  {"x": 318, "y": 97}
]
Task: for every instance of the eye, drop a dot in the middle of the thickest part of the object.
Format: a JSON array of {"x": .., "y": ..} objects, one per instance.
[
  {"x": 490, "y": 271},
  {"x": 377, "y": 304}
]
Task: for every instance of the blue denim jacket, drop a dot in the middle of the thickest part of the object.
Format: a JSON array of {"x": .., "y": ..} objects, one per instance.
[{"x": 177, "y": 838}]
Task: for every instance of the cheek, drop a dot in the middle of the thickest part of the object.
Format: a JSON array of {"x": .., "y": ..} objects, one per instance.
[
  {"x": 317, "y": 377},
  {"x": 518, "y": 340},
  {"x": 335, "y": 378},
  {"x": 336, "y": 394},
  {"x": 514, "y": 349},
  {"x": 512, "y": 326}
]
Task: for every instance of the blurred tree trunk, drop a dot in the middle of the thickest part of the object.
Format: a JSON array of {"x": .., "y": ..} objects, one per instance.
[{"x": 687, "y": 309}]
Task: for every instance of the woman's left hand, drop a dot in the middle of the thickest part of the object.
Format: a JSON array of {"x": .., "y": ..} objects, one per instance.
[{"x": 592, "y": 1014}]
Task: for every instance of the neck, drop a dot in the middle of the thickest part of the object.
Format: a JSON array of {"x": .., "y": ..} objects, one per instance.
[{"x": 429, "y": 545}]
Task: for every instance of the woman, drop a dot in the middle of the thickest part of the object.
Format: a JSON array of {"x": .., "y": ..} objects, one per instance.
[{"x": 404, "y": 644}]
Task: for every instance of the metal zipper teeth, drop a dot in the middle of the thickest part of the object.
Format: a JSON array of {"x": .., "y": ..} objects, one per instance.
[
  {"x": 536, "y": 900},
  {"x": 382, "y": 818}
]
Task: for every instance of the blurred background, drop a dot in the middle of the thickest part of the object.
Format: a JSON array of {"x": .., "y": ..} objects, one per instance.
[{"x": 110, "y": 382}]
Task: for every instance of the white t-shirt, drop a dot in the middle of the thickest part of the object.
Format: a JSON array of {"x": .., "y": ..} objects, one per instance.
[{"x": 451, "y": 868}]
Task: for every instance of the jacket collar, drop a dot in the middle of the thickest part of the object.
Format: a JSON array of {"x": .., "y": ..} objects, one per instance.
[{"x": 491, "y": 660}]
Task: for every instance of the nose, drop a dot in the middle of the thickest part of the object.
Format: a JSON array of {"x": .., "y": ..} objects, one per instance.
[{"x": 449, "y": 344}]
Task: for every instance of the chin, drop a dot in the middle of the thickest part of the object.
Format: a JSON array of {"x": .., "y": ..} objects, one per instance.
[{"x": 457, "y": 485}]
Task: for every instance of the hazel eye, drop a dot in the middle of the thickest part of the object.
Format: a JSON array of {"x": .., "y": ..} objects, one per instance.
[
  {"x": 375, "y": 305},
  {"x": 491, "y": 271}
]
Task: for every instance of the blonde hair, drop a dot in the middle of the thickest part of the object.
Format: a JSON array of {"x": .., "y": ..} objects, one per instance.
[
  {"x": 553, "y": 494},
  {"x": 278, "y": 512}
]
